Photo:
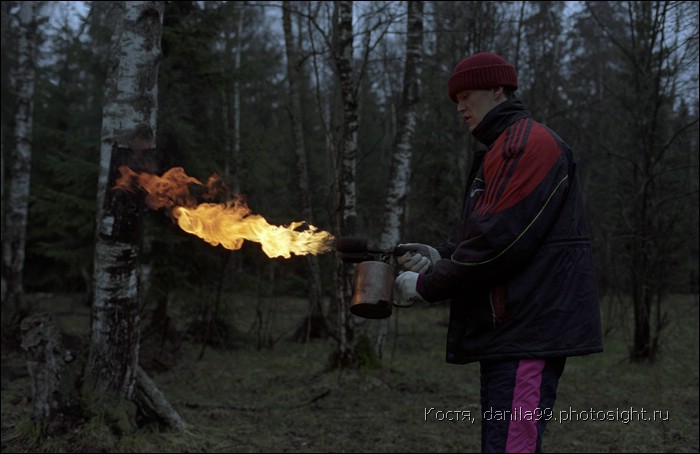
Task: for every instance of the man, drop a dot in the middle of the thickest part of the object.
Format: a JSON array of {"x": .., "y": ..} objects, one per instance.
[{"x": 521, "y": 275}]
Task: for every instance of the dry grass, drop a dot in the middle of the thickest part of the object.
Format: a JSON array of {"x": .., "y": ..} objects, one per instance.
[{"x": 284, "y": 399}]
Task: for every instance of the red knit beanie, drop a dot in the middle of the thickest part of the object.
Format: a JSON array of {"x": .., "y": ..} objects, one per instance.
[{"x": 481, "y": 71}]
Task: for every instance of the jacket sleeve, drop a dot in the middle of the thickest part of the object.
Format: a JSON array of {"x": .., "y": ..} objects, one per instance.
[{"x": 523, "y": 188}]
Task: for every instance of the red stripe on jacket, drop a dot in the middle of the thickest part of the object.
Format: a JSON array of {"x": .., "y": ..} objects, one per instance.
[{"x": 524, "y": 159}]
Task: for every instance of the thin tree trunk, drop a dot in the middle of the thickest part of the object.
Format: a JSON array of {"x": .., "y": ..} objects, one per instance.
[
  {"x": 236, "y": 155},
  {"x": 331, "y": 147},
  {"x": 231, "y": 109},
  {"x": 346, "y": 214},
  {"x": 231, "y": 119},
  {"x": 400, "y": 171},
  {"x": 314, "y": 325},
  {"x": 17, "y": 203},
  {"x": 4, "y": 27}
]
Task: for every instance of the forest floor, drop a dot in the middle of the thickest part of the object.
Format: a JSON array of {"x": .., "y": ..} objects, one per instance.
[{"x": 267, "y": 393}]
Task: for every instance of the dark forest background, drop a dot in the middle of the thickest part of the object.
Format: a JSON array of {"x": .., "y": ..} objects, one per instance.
[{"x": 617, "y": 80}]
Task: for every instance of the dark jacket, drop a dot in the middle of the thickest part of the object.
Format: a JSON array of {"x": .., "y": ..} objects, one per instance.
[{"x": 521, "y": 277}]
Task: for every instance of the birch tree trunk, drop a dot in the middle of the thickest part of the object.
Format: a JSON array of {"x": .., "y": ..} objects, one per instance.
[
  {"x": 346, "y": 214},
  {"x": 400, "y": 171},
  {"x": 4, "y": 27},
  {"x": 231, "y": 108},
  {"x": 128, "y": 138},
  {"x": 17, "y": 203},
  {"x": 236, "y": 155},
  {"x": 315, "y": 323}
]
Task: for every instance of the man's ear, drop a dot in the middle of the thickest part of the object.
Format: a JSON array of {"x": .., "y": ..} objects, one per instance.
[{"x": 497, "y": 93}]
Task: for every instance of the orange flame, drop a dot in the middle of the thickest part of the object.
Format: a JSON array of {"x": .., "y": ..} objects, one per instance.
[{"x": 228, "y": 224}]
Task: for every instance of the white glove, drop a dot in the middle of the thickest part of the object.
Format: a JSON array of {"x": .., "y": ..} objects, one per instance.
[
  {"x": 405, "y": 293},
  {"x": 420, "y": 257},
  {"x": 413, "y": 261}
]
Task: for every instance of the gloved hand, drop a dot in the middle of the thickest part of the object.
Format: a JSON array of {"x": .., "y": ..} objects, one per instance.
[
  {"x": 420, "y": 257},
  {"x": 405, "y": 293}
]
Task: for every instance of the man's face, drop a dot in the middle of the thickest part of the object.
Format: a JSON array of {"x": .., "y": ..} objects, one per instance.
[{"x": 473, "y": 105}]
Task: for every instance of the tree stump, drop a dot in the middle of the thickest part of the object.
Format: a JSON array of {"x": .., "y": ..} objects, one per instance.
[{"x": 41, "y": 341}]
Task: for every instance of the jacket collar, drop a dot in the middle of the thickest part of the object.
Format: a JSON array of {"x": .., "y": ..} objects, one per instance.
[{"x": 498, "y": 119}]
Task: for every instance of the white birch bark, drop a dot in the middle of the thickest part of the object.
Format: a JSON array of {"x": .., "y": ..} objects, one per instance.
[
  {"x": 237, "y": 158},
  {"x": 344, "y": 59},
  {"x": 4, "y": 26},
  {"x": 128, "y": 129},
  {"x": 130, "y": 105},
  {"x": 400, "y": 171},
  {"x": 17, "y": 203},
  {"x": 131, "y": 90},
  {"x": 346, "y": 211},
  {"x": 230, "y": 109}
]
